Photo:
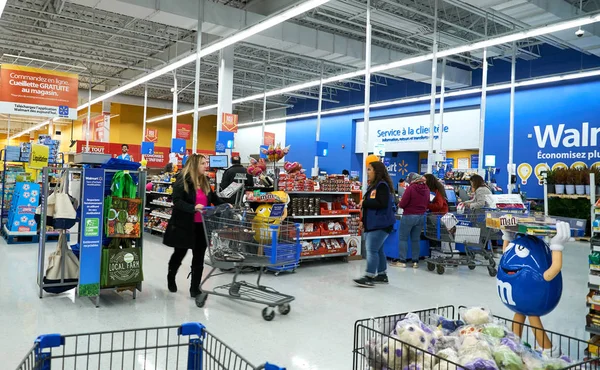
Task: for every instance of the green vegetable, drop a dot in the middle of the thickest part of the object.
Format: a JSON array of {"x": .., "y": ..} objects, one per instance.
[{"x": 122, "y": 215}]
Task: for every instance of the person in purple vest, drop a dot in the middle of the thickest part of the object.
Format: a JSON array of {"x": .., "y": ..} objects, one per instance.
[{"x": 378, "y": 219}]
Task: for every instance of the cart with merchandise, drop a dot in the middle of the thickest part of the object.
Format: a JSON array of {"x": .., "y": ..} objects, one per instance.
[
  {"x": 189, "y": 346},
  {"x": 237, "y": 240},
  {"x": 385, "y": 342},
  {"x": 468, "y": 229}
]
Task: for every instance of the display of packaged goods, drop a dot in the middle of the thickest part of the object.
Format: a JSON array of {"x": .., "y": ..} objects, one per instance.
[
  {"x": 22, "y": 208},
  {"x": 304, "y": 206},
  {"x": 316, "y": 247},
  {"x": 354, "y": 225},
  {"x": 260, "y": 197},
  {"x": 331, "y": 228}
]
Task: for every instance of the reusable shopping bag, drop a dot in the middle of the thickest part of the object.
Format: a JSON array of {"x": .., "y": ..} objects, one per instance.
[
  {"x": 61, "y": 206},
  {"x": 54, "y": 269},
  {"x": 122, "y": 210},
  {"x": 121, "y": 264}
]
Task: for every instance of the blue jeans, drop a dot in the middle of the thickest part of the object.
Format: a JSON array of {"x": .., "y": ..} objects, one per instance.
[
  {"x": 410, "y": 225},
  {"x": 376, "y": 260}
]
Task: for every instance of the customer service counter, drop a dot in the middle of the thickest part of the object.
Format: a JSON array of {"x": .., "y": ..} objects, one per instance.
[{"x": 391, "y": 245}]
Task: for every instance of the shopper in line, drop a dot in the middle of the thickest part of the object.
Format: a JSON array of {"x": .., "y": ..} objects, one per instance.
[
  {"x": 191, "y": 193},
  {"x": 230, "y": 174},
  {"x": 414, "y": 203},
  {"x": 481, "y": 193},
  {"x": 378, "y": 222},
  {"x": 439, "y": 204},
  {"x": 401, "y": 187}
]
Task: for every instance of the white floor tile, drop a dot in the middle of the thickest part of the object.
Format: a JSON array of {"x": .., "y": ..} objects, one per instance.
[{"x": 317, "y": 334}]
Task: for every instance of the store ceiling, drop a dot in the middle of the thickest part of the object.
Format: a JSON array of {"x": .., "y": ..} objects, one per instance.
[{"x": 112, "y": 41}]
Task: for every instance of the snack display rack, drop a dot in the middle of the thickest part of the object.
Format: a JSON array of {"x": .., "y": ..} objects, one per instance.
[{"x": 159, "y": 206}]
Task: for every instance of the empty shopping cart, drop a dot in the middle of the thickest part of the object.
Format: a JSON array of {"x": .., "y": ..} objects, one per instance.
[
  {"x": 238, "y": 240},
  {"x": 189, "y": 346}
]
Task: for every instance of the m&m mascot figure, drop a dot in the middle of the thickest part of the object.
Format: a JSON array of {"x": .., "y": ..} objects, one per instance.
[{"x": 529, "y": 279}]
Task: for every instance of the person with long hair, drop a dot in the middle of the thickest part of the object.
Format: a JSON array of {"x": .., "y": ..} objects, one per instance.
[
  {"x": 439, "y": 204},
  {"x": 414, "y": 203},
  {"x": 378, "y": 219},
  {"x": 481, "y": 193},
  {"x": 191, "y": 193}
]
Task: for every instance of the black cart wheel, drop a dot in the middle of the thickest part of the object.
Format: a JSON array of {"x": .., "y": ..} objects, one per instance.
[
  {"x": 268, "y": 313},
  {"x": 492, "y": 271},
  {"x": 284, "y": 309},
  {"x": 472, "y": 266},
  {"x": 201, "y": 299},
  {"x": 440, "y": 269},
  {"x": 430, "y": 266}
]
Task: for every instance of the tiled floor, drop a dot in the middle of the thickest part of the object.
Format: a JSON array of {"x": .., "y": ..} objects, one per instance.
[{"x": 317, "y": 334}]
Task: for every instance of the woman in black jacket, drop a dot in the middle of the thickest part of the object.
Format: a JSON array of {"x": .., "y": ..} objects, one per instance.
[
  {"x": 378, "y": 219},
  {"x": 191, "y": 193}
]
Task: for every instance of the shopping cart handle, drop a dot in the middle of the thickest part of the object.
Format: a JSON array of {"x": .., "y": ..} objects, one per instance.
[{"x": 50, "y": 341}]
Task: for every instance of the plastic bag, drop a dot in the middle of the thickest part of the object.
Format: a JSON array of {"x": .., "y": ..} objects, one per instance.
[
  {"x": 475, "y": 315},
  {"x": 507, "y": 359}
]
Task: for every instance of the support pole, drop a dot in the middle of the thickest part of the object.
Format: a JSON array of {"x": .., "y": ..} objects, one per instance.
[
  {"x": 197, "y": 85},
  {"x": 511, "y": 132},
  {"x": 145, "y": 112},
  {"x": 319, "y": 109},
  {"x": 367, "y": 97},
  {"x": 430, "y": 156},
  {"x": 442, "y": 97},
  {"x": 174, "y": 121},
  {"x": 8, "y": 132},
  {"x": 483, "y": 109},
  {"x": 264, "y": 110},
  {"x": 89, "y": 117}
]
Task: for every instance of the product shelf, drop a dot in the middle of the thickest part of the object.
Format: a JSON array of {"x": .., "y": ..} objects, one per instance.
[
  {"x": 319, "y": 192},
  {"x": 158, "y": 192},
  {"x": 319, "y": 216},
  {"x": 325, "y": 237},
  {"x": 570, "y": 196},
  {"x": 163, "y": 204},
  {"x": 161, "y": 215},
  {"x": 342, "y": 254},
  {"x": 162, "y": 182},
  {"x": 593, "y": 330}
]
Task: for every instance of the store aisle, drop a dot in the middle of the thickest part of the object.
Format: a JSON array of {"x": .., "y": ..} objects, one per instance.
[{"x": 318, "y": 333}]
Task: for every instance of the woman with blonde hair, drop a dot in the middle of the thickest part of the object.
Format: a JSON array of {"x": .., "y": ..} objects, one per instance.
[{"x": 191, "y": 193}]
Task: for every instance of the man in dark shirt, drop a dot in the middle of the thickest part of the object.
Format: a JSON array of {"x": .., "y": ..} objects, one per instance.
[{"x": 229, "y": 176}]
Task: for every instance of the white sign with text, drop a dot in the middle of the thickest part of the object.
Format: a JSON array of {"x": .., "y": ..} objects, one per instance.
[{"x": 411, "y": 133}]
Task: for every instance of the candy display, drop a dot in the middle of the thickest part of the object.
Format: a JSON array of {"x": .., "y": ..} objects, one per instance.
[
  {"x": 323, "y": 246},
  {"x": 305, "y": 206},
  {"x": 296, "y": 181},
  {"x": 336, "y": 184},
  {"x": 475, "y": 342},
  {"x": 354, "y": 224}
]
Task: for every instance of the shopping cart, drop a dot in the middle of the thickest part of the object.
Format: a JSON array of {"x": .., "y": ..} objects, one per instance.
[
  {"x": 189, "y": 346},
  {"x": 467, "y": 229},
  {"x": 238, "y": 240},
  {"x": 372, "y": 332}
]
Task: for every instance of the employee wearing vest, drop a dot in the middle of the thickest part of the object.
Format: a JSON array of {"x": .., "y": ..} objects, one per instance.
[
  {"x": 378, "y": 221},
  {"x": 124, "y": 153}
]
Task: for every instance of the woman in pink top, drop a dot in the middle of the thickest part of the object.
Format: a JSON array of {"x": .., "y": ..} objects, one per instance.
[{"x": 191, "y": 193}]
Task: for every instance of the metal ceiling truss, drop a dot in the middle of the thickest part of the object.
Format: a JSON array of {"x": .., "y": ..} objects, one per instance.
[{"x": 110, "y": 48}]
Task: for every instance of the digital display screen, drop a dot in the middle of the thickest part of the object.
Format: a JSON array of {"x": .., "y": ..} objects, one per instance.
[
  {"x": 451, "y": 196},
  {"x": 218, "y": 161}
]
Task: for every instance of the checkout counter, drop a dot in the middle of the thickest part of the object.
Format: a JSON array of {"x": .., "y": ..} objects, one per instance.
[{"x": 391, "y": 247}]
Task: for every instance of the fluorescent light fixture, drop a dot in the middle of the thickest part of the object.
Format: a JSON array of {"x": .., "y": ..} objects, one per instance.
[
  {"x": 237, "y": 37},
  {"x": 2, "y": 5},
  {"x": 33, "y": 128},
  {"x": 464, "y": 92},
  {"x": 183, "y": 113}
]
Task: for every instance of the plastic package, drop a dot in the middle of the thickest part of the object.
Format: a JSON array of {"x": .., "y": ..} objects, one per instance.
[
  {"x": 476, "y": 315},
  {"x": 507, "y": 359}
]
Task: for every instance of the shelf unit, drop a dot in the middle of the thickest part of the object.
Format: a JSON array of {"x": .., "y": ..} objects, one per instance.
[
  {"x": 155, "y": 212},
  {"x": 594, "y": 247},
  {"x": 320, "y": 216}
]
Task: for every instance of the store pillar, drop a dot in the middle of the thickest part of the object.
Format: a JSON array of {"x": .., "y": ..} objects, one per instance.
[{"x": 225, "y": 84}]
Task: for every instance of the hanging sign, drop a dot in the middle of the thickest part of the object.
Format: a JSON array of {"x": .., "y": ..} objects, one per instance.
[
  {"x": 39, "y": 156},
  {"x": 147, "y": 148},
  {"x": 151, "y": 135},
  {"x": 38, "y": 92},
  {"x": 229, "y": 122},
  {"x": 379, "y": 150},
  {"x": 91, "y": 232},
  {"x": 178, "y": 146},
  {"x": 183, "y": 131}
]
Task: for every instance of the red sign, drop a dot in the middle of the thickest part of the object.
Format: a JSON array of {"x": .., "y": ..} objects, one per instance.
[
  {"x": 230, "y": 122},
  {"x": 269, "y": 138},
  {"x": 98, "y": 127},
  {"x": 151, "y": 135},
  {"x": 183, "y": 131}
]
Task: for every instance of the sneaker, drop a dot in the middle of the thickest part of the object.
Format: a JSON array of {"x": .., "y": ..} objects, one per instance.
[
  {"x": 365, "y": 282},
  {"x": 398, "y": 264},
  {"x": 381, "y": 279},
  {"x": 415, "y": 265}
]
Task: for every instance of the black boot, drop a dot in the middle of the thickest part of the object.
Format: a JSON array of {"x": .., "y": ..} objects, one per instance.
[
  {"x": 196, "y": 280},
  {"x": 171, "y": 283}
]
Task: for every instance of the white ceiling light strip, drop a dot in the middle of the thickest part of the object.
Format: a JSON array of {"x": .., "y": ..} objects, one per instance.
[
  {"x": 239, "y": 36},
  {"x": 33, "y": 128},
  {"x": 470, "y": 91},
  {"x": 183, "y": 113}
]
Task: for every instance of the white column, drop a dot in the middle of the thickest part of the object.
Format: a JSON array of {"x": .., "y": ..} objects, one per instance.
[
  {"x": 483, "y": 109},
  {"x": 511, "y": 131},
  {"x": 8, "y": 132},
  {"x": 197, "y": 85},
  {"x": 145, "y": 112},
  {"x": 225, "y": 84},
  {"x": 264, "y": 110},
  {"x": 89, "y": 117},
  {"x": 320, "y": 106},
  {"x": 175, "y": 94},
  {"x": 367, "y": 97},
  {"x": 433, "y": 92},
  {"x": 442, "y": 96}
]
